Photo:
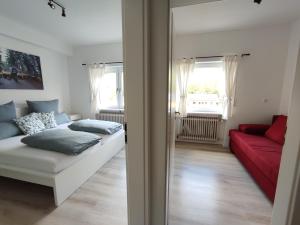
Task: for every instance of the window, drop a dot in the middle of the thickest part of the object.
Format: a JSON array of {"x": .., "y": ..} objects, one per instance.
[
  {"x": 206, "y": 87},
  {"x": 112, "y": 91}
]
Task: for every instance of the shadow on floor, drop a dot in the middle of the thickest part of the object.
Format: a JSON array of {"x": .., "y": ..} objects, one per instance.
[{"x": 23, "y": 203}]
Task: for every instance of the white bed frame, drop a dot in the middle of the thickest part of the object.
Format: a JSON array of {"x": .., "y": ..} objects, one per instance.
[{"x": 70, "y": 179}]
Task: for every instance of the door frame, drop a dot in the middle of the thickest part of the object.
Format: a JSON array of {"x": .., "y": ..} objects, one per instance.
[
  {"x": 146, "y": 56},
  {"x": 287, "y": 198},
  {"x": 135, "y": 67}
]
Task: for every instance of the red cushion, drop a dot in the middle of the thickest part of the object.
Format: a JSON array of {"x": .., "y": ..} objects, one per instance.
[
  {"x": 277, "y": 131},
  {"x": 264, "y": 153},
  {"x": 255, "y": 129}
]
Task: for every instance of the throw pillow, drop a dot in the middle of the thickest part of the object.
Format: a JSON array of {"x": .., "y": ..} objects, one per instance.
[
  {"x": 48, "y": 119},
  {"x": 43, "y": 106},
  {"x": 9, "y": 129},
  {"x": 62, "y": 118},
  {"x": 277, "y": 131},
  {"x": 7, "y": 112},
  {"x": 30, "y": 124}
]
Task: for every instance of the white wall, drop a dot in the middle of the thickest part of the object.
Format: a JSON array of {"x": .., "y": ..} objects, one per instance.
[
  {"x": 18, "y": 31},
  {"x": 294, "y": 44},
  {"x": 63, "y": 75},
  {"x": 79, "y": 78},
  {"x": 260, "y": 75},
  {"x": 54, "y": 63}
]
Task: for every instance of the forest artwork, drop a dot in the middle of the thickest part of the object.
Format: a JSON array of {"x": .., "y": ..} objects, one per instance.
[{"x": 19, "y": 70}]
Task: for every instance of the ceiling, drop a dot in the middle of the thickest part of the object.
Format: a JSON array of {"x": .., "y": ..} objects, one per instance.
[
  {"x": 91, "y": 22},
  {"x": 234, "y": 14},
  {"x": 88, "y": 21}
]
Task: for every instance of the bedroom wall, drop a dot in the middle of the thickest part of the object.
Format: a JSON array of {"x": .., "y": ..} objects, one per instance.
[
  {"x": 260, "y": 75},
  {"x": 18, "y": 31},
  {"x": 54, "y": 66},
  {"x": 79, "y": 78}
]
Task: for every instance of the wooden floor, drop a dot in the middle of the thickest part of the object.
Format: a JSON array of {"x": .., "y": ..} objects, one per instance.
[
  {"x": 212, "y": 188},
  {"x": 207, "y": 188},
  {"x": 202, "y": 147},
  {"x": 100, "y": 201}
]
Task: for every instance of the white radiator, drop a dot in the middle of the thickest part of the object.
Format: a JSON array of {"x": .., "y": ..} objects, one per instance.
[
  {"x": 198, "y": 128},
  {"x": 111, "y": 116}
]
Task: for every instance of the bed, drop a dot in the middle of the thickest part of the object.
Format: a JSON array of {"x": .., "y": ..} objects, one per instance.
[{"x": 63, "y": 173}]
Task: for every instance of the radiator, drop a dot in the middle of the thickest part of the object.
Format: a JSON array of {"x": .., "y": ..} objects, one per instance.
[
  {"x": 111, "y": 116},
  {"x": 198, "y": 128}
]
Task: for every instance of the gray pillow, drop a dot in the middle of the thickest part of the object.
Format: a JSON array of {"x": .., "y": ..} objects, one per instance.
[
  {"x": 9, "y": 129},
  {"x": 62, "y": 118},
  {"x": 43, "y": 106},
  {"x": 96, "y": 126},
  {"x": 62, "y": 140},
  {"x": 30, "y": 124},
  {"x": 48, "y": 119},
  {"x": 7, "y": 112}
]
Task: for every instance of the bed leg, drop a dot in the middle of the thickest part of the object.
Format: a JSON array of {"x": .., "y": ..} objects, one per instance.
[{"x": 58, "y": 197}]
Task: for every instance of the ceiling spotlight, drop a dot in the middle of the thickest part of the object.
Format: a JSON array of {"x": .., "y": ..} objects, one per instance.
[
  {"x": 63, "y": 14},
  {"x": 52, "y": 4},
  {"x": 257, "y": 1}
]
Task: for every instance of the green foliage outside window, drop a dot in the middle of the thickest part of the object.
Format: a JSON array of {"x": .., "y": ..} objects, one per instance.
[{"x": 202, "y": 89}]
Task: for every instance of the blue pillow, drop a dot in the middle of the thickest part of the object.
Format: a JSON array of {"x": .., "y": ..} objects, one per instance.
[
  {"x": 9, "y": 129},
  {"x": 43, "y": 106},
  {"x": 62, "y": 118},
  {"x": 7, "y": 112},
  {"x": 62, "y": 140},
  {"x": 96, "y": 126}
]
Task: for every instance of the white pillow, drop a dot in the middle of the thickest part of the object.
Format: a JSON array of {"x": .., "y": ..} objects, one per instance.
[
  {"x": 30, "y": 124},
  {"x": 48, "y": 119}
]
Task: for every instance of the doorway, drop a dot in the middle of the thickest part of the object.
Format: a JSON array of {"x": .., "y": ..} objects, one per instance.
[{"x": 210, "y": 181}]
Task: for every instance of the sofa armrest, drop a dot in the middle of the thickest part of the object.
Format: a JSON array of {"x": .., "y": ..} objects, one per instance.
[{"x": 255, "y": 129}]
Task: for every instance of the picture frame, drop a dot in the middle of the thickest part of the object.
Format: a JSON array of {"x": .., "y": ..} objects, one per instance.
[{"x": 19, "y": 70}]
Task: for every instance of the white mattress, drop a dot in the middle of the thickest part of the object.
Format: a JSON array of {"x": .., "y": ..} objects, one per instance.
[{"x": 16, "y": 154}]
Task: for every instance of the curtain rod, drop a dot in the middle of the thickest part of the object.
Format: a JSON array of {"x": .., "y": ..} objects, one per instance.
[
  {"x": 220, "y": 56},
  {"x": 85, "y": 64},
  {"x": 199, "y": 57}
]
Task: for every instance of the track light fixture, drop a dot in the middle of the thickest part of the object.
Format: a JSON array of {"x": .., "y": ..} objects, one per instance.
[
  {"x": 52, "y": 4},
  {"x": 63, "y": 13},
  {"x": 257, "y": 1}
]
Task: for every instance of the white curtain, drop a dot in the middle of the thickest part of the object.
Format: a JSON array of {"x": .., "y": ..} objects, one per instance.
[
  {"x": 96, "y": 73},
  {"x": 184, "y": 68},
  {"x": 230, "y": 68}
]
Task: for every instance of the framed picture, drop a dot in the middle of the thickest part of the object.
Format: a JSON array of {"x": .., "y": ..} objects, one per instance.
[{"x": 20, "y": 70}]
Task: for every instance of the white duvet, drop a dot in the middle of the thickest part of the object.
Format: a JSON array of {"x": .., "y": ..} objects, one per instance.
[{"x": 14, "y": 153}]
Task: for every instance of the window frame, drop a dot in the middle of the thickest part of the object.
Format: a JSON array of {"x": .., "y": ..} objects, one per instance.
[{"x": 208, "y": 63}]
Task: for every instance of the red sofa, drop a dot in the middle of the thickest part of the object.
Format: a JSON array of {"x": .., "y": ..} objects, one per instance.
[{"x": 259, "y": 147}]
